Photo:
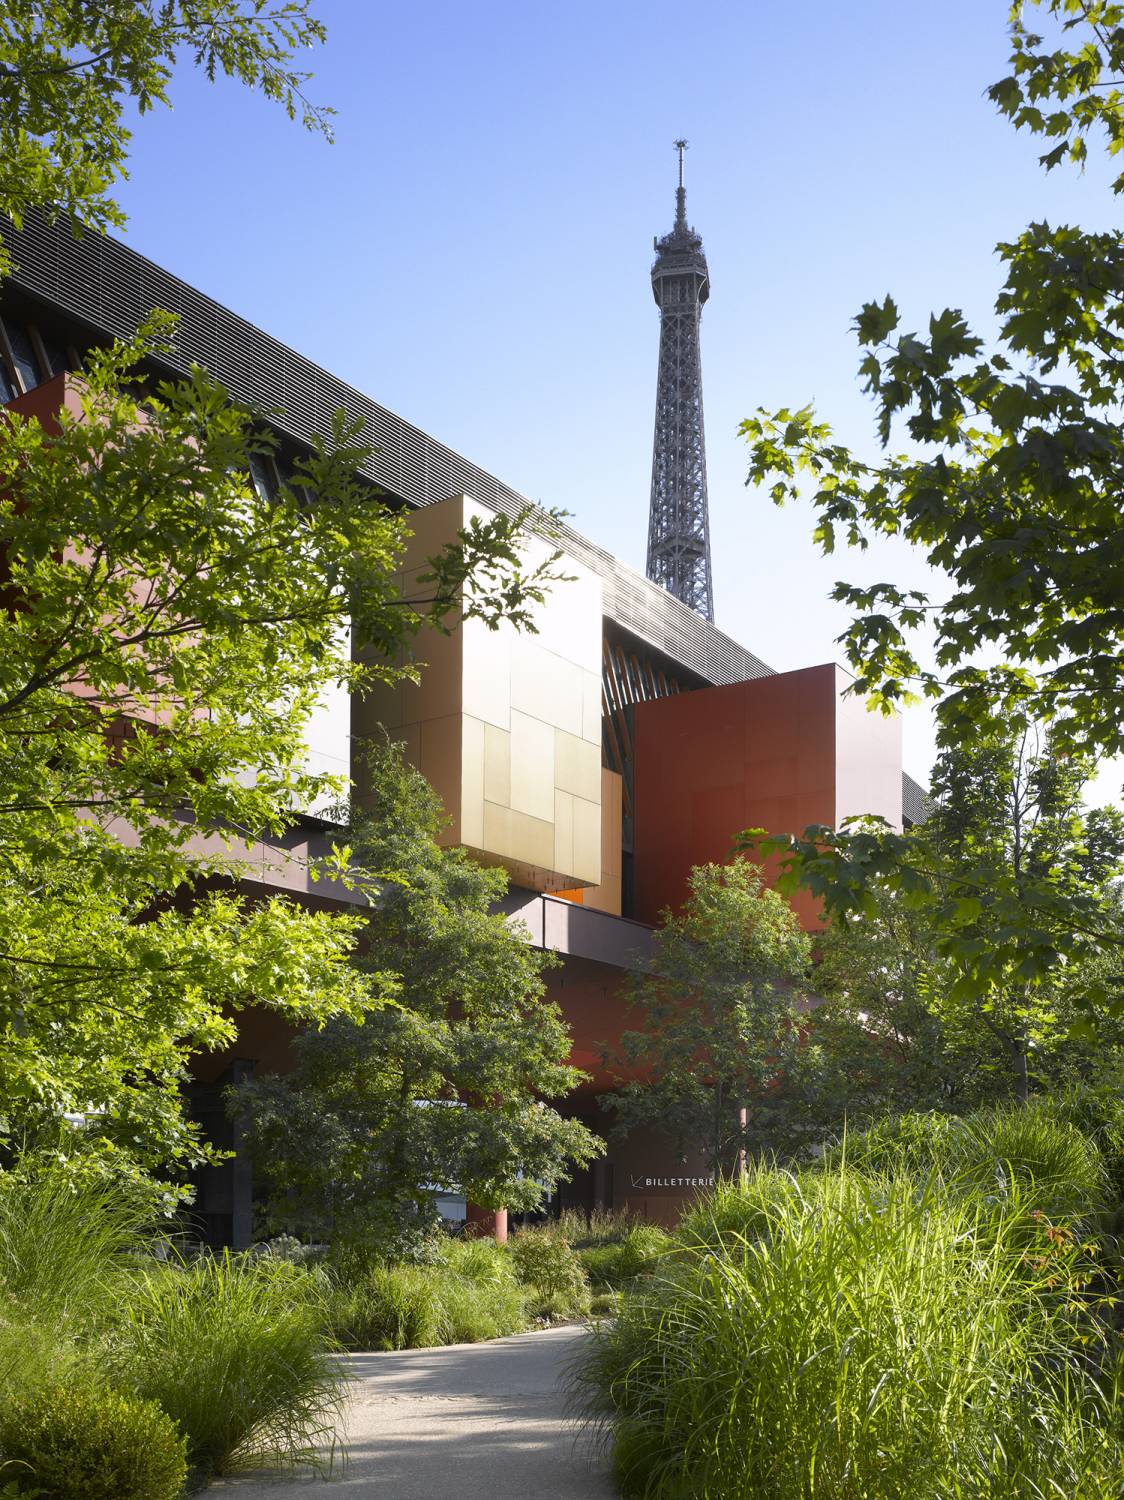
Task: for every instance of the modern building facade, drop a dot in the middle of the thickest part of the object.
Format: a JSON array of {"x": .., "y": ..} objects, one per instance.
[{"x": 596, "y": 761}]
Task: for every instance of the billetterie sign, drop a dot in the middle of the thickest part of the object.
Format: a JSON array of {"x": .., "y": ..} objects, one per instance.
[{"x": 672, "y": 1182}]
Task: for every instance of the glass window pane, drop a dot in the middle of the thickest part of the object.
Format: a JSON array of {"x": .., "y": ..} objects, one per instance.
[
  {"x": 56, "y": 355},
  {"x": 261, "y": 471},
  {"x": 23, "y": 354},
  {"x": 7, "y": 389}
]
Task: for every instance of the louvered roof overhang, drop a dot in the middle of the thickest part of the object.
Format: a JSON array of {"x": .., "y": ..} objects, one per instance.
[{"x": 109, "y": 288}]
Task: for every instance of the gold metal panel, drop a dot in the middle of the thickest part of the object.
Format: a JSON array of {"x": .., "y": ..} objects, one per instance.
[
  {"x": 486, "y": 673},
  {"x": 611, "y": 823},
  {"x": 532, "y": 768},
  {"x": 563, "y": 861},
  {"x": 587, "y": 841},
  {"x": 380, "y": 706},
  {"x": 438, "y": 690},
  {"x": 432, "y": 526},
  {"x": 569, "y": 619},
  {"x": 497, "y": 765},
  {"x": 577, "y": 766},
  {"x": 498, "y": 836},
  {"x": 545, "y": 685},
  {"x": 507, "y": 726},
  {"x": 516, "y": 837},
  {"x": 440, "y": 763},
  {"x": 410, "y": 736},
  {"x": 473, "y": 751},
  {"x": 534, "y": 839},
  {"x": 591, "y": 707}
]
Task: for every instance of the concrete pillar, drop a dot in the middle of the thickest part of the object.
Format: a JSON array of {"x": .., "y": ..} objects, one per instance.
[{"x": 480, "y": 1223}]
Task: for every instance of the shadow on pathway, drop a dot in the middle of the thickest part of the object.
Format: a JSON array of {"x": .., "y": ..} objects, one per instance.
[{"x": 480, "y": 1421}]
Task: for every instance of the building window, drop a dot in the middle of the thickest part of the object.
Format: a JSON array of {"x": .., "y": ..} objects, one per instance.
[
  {"x": 52, "y": 355},
  {"x": 263, "y": 472},
  {"x": 23, "y": 355}
]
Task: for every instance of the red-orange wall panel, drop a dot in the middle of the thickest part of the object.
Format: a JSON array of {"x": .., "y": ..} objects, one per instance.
[{"x": 777, "y": 753}]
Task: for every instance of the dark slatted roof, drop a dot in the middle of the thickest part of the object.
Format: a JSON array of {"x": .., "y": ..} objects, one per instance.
[{"x": 110, "y": 288}]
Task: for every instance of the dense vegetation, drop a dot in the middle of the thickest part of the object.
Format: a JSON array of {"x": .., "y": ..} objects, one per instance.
[
  {"x": 228, "y": 1357},
  {"x": 931, "y": 1312},
  {"x": 1010, "y": 489}
]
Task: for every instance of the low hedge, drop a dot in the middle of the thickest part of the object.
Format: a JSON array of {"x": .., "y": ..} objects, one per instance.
[{"x": 90, "y": 1443}]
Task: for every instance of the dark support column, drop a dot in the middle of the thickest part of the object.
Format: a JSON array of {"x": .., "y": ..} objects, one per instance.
[
  {"x": 242, "y": 1172},
  {"x": 602, "y": 1184}
]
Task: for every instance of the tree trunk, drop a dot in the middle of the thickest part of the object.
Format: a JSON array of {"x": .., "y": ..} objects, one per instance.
[{"x": 1022, "y": 1077}]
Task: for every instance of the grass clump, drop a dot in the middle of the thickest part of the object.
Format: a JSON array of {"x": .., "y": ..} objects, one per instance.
[
  {"x": 600, "y": 1226},
  {"x": 847, "y": 1335},
  {"x": 232, "y": 1348},
  {"x": 87, "y": 1443},
  {"x": 1056, "y": 1164},
  {"x": 614, "y": 1247},
  {"x": 470, "y": 1295},
  {"x": 66, "y": 1252},
  {"x": 615, "y": 1263}
]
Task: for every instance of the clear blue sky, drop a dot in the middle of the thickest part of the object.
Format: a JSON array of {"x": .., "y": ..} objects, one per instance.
[{"x": 474, "y": 249}]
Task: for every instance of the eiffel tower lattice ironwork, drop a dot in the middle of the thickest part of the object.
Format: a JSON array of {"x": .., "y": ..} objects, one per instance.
[{"x": 678, "y": 520}]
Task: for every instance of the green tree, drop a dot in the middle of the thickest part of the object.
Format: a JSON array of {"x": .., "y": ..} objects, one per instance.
[
  {"x": 167, "y": 627},
  {"x": 1009, "y": 815},
  {"x": 903, "y": 1026},
  {"x": 448, "y": 1085},
  {"x": 712, "y": 1058},
  {"x": 879, "y": 1044},
  {"x": 1012, "y": 488},
  {"x": 71, "y": 69}
]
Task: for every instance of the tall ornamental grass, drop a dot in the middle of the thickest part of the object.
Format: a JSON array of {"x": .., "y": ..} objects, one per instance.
[
  {"x": 66, "y": 1252},
  {"x": 232, "y": 1348},
  {"x": 840, "y": 1335}
]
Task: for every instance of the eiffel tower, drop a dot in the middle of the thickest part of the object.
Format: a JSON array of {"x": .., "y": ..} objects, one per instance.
[{"x": 678, "y": 520}]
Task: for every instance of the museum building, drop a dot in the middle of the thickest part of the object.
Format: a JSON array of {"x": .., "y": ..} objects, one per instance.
[{"x": 597, "y": 761}]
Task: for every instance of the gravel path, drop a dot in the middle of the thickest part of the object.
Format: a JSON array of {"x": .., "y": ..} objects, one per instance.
[{"x": 475, "y": 1421}]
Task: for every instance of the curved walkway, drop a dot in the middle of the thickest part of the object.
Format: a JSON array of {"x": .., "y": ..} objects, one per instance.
[{"x": 474, "y": 1421}]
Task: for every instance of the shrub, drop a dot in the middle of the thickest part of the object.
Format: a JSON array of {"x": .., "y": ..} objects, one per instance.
[
  {"x": 285, "y": 1247},
  {"x": 838, "y": 1334},
  {"x": 89, "y": 1443},
  {"x": 551, "y": 1272},
  {"x": 613, "y": 1264},
  {"x": 413, "y": 1307},
  {"x": 234, "y": 1349}
]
